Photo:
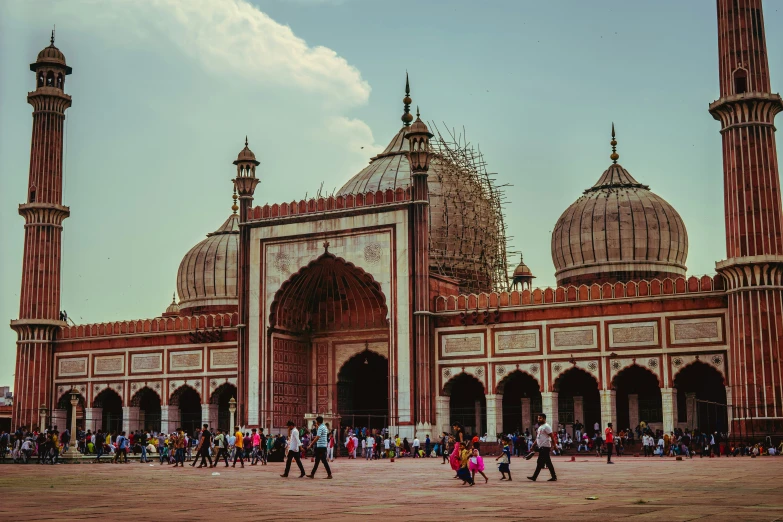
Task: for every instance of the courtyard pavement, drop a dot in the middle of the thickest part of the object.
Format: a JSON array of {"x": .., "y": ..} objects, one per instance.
[{"x": 657, "y": 489}]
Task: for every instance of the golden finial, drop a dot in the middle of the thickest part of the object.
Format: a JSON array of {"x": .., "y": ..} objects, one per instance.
[
  {"x": 614, "y": 156},
  {"x": 407, "y": 118},
  {"x": 234, "y": 207}
]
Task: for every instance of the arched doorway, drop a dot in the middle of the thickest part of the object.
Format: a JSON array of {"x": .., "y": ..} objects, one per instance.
[
  {"x": 363, "y": 391},
  {"x": 645, "y": 402},
  {"x": 110, "y": 404},
  {"x": 65, "y": 404},
  {"x": 189, "y": 402},
  {"x": 571, "y": 386},
  {"x": 148, "y": 402},
  {"x": 221, "y": 398},
  {"x": 521, "y": 401},
  {"x": 701, "y": 398},
  {"x": 467, "y": 404},
  {"x": 327, "y": 299}
]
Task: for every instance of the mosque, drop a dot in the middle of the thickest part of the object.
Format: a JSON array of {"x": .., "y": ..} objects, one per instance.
[{"x": 390, "y": 303}]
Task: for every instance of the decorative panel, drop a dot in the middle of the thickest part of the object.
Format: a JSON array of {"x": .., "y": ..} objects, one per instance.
[
  {"x": 146, "y": 362},
  {"x": 289, "y": 381},
  {"x": 448, "y": 373},
  {"x": 322, "y": 376},
  {"x": 696, "y": 331},
  {"x": 109, "y": 364},
  {"x": 517, "y": 342},
  {"x": 716, "y": 360},
  {"x": 574, "y": 338},
  {"x": 633, "y": 334},
  {"x": 652, "y": 363},
  {"x": 462, "y": 345},
  {"x": 191, "y": 360},
  {"x": 72, "y": 366},
  {"x": 223, "y": 358}
]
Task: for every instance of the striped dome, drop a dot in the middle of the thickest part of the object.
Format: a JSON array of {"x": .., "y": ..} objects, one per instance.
[
  {"x": 207, "y": 276},
  {"x": 618, "y": 230}
]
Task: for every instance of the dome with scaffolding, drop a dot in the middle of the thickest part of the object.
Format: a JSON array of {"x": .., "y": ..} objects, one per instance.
[{"x": 467, "y": 233}]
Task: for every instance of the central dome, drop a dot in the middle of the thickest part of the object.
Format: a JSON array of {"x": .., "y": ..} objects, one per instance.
[
  {"x": 466, "y": 239},
  {"x": 618, "y": 230}
]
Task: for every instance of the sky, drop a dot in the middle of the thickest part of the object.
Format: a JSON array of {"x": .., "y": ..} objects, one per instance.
[{"x": 165, "y": 91}]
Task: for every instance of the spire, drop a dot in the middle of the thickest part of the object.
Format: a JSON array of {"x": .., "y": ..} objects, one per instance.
[
  {"x": 174, "y": 298},
  {"x": 52, "y": 39},
  {"x": 614, "y": 156},
  {"x": 406, "y": 115},
  {"x": 245, "y": 140},
  {"x": 234, "y": 206}
]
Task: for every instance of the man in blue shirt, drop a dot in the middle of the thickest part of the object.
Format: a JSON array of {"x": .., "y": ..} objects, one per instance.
[{"x": 320, "y": 441}]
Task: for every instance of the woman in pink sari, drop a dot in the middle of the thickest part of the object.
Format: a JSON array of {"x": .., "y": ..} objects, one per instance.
[{"x": 454, "y": 458}]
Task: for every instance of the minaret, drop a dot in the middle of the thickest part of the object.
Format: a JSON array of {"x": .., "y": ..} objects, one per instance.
[
  {"x": 419, "y": 143},
  {"x": 245, "y": 184},
  {"x": 754, "y": 228},
  {"x": 39, "y": 306}
]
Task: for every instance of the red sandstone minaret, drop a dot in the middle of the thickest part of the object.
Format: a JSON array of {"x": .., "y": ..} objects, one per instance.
[
  {"x": 39, "y": 307},
  {"x": 419, "y": 140},
  {"x": 244, "y": 183},
  {"x": 754, "y": 229}
]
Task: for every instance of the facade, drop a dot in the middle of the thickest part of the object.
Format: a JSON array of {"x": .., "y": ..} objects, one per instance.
[{"x": 389, "y": 304}]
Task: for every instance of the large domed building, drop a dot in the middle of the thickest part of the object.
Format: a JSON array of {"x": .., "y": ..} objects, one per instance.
[
  {"x": 618, "y": 230},
  {"x": 387, "y": 305}
]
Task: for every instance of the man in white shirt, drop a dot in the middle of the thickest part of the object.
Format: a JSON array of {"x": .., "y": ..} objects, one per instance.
[
  {"x": 293, "y": 446},
  {"x": 368, "y": 443},
  {"x": 416, "y": 445},
  {"x": 545, "y": 440},
  {"x": 387, "y": 445}
]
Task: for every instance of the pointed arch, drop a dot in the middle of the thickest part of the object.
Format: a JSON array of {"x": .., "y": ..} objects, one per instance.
[
  {"x": 329, "y": 293},
  {"x": 179, "y": 391}
]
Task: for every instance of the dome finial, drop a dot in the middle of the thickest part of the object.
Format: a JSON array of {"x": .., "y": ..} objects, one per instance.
[
  {"x": 614, "y": 156},
  {"x": 246, "y": 140},
  {"x": 174, "y": 298},
  {"x": 407, "y": 118},
  {"x": 52, "y": 39},
  {"x": 234, "y": 206}
]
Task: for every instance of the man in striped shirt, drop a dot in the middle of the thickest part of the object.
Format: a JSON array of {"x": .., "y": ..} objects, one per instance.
[{"x": 320, "y": 441}]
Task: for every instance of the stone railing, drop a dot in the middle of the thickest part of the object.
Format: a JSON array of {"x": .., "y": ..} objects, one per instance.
[
  {"x": 583, "y": 293},
  {"x": 143, "y": 326},
  {"x": 332, "y": 203}
]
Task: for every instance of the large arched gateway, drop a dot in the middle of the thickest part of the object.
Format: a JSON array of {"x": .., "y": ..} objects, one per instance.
[{"x": 329, "y": 334}]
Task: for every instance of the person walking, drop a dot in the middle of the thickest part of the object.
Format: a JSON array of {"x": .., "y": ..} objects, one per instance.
[
  {"x": 545, "y": 440},
  {"x": 427, "y": 443},
  {"x": 609, "y": 439},
  {"x": 205, "y": 443},
  {"x": 239, "y": 445},
  {"x": 293, "y": 447},
  {"x": 321, "y": 442},
  {"x": 416, "y": 446},
  {"x": 330, "y": 448},
  {"x": 220, "y": 444}
]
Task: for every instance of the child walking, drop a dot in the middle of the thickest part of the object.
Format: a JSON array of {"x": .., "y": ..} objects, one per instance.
[
  {"x": 476, "y": 465},
  {"x": 505, "y": 460},
  {"x": 463, "y": 473}
]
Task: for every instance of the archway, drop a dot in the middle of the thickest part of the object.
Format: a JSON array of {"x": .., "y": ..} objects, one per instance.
[
  {"x": 647, "y": 405},
  {"x": 576, "y": 383},
  {"x": 111, "y": 410},
  {"x": 519, "y": 389},
  {"x": 148, "y": 403},
  {"x": 326, "y": 299},
  {"x": 467, "y": 405},
  {"x": 221, "y": 398},
  {"x": 701, "y": 398},
  {"x": 189, "y": 402},
  {"x": 363, "y": 391},
  {"x": 65, "y": 404}
]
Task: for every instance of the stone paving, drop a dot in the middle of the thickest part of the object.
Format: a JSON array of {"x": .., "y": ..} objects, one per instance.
[{"x": 634, "y": 488}]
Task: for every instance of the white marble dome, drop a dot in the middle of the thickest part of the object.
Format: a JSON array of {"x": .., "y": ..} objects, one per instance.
[{"x": 207, "y": 275}]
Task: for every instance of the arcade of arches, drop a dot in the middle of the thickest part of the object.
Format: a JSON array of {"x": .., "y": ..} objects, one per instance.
[
  {"x": 330, "y": 311},
  {"x": 696, "y": 402},
  {"x": 146, "y": 411}
]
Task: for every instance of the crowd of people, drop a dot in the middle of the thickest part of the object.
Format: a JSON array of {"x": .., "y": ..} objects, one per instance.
[{"x": 46, "y": 446}]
